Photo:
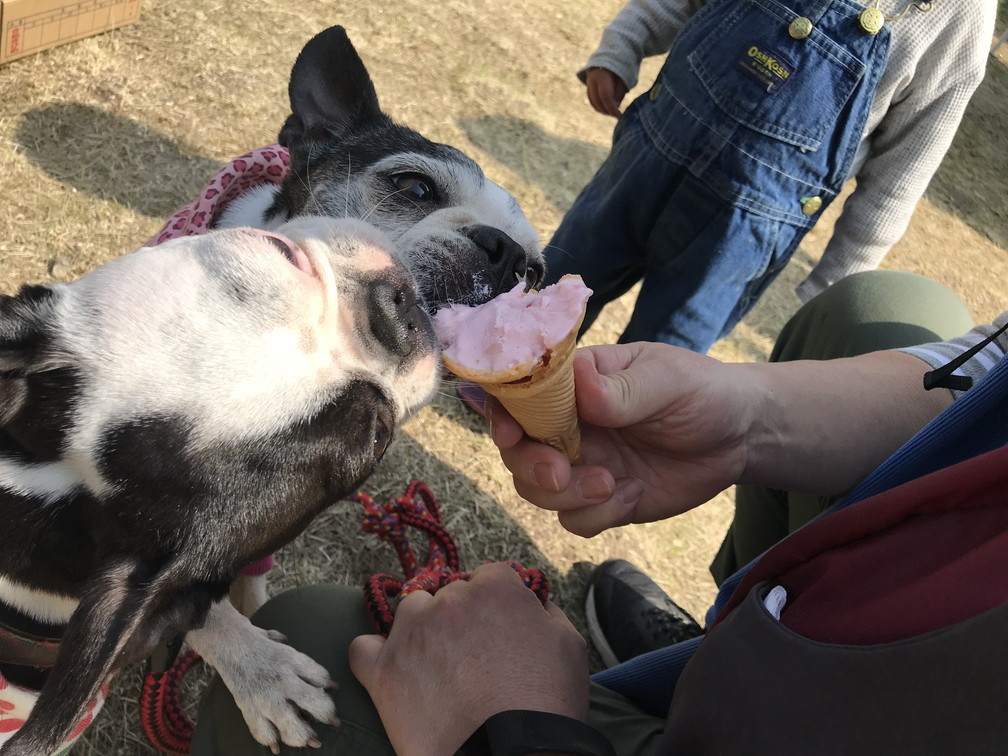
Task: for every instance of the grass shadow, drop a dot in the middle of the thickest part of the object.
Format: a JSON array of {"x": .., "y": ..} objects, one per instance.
[
  {"x": 113, "y": 158},
  {"x": 559, "y": 167},
  {"x": 971, "y": 179}
]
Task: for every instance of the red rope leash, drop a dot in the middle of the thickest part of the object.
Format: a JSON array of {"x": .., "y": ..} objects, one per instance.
[
  {"x": 161, "y": 715},
  {"x": 417, "y": 508}
]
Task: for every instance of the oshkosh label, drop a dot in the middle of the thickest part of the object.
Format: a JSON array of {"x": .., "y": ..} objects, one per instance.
[{"x": 766, "y": 66}]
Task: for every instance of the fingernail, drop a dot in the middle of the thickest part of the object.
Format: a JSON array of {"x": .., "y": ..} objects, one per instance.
[
  {"x": 312, "y": 743},
  {"x": 335, "y": 721},
  {"x": 543, "y": 476},
  {"x": 594, "y": 487}
]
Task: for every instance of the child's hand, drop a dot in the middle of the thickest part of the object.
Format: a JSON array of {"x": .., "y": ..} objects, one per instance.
[{"x": 606, "y": 91}]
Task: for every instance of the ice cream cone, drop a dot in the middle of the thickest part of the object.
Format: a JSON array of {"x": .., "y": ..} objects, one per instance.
[{"x": 539, "y": 396}]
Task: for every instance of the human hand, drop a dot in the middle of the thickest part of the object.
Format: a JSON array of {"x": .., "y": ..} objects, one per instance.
[
  {"x": 662, "y": 430},
  {"x": 472, "y": 650},
  {"x": 606, "y": 91}
]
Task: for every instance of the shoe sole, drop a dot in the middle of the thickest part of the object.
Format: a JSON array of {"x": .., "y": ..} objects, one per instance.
[{"x": 598, "y": 638}]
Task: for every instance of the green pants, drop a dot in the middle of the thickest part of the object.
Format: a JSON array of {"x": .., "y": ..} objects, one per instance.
[
  {"x": 866, "y": 312},
  {"x": 862, "y": 313},
  {"x": 321, "y": 621}
]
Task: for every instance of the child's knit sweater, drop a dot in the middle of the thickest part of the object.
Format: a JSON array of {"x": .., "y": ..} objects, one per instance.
[{"x": 936, "y": 61}]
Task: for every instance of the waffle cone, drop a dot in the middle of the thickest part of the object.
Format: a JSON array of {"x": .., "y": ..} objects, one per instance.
[{"x": 539, "y": 396}]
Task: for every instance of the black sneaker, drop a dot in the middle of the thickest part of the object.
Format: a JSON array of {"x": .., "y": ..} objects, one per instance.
[{"x": 629, "y": 615}]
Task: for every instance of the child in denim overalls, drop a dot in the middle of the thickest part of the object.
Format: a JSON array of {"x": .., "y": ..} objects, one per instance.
[{"x": 760, "y": 113}]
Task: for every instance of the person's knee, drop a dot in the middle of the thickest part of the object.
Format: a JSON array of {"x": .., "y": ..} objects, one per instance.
[
  {"x": 306, "y": 604},
  {"x": 874, "y": 294},
  {"x": 873, "y": 310}
]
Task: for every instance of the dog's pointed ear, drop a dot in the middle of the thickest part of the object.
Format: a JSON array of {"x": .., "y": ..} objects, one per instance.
[
  {"x": 330, "y": 89},
  {"x": 114, "y": 622},
  {"x": 25, "y": 331}
]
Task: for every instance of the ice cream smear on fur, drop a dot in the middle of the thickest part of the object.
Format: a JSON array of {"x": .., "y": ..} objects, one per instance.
[{"x": 520, "y": 348}]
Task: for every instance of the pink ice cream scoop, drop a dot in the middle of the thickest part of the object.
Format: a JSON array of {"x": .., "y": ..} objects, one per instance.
[
  {"x": 520, "y": 348},
  {"x": 513, "y": 330}
]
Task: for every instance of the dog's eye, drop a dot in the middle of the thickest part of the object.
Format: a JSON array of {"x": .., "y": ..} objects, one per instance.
[
  {"x": 414, "y": 186},
  {"x": 382, "y": 436},
  {"x": 283, "y": 247}
]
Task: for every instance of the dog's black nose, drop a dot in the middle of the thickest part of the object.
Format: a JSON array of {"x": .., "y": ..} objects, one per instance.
[
  {"x": 396, "y": 319},
  {"x": 507, "y": 260}
]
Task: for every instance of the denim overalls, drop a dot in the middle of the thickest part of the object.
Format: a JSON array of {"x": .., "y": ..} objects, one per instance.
[{"x": 717, "y": 173}]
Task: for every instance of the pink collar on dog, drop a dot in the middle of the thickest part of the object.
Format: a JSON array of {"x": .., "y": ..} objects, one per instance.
[
  {"x": 16, "y": 704},
  {"x": 266, "y": 165}
]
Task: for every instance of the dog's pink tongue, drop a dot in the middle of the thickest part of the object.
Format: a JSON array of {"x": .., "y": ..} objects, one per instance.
[{"x": 512, "y": 329}]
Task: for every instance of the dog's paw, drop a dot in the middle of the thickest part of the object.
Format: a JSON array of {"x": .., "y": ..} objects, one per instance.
[{"x": 274, "y": 685}]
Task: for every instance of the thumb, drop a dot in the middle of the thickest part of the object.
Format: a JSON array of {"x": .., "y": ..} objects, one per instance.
[
  {"x": 591, "y": 388},
  {"x": 363, "y": 657},
  {"x": 618, "y": 385},
  {"x": 604, "y": 396}
]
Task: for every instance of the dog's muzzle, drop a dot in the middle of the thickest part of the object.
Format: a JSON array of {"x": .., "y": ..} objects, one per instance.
[
  {"x": 396, "y": 319},
  {"x": 507, "y": 260}
]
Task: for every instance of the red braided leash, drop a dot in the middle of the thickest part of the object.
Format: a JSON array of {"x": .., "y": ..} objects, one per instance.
[
  {"x": 418, "y": 509},
  {"x": 161, "y": 715}
]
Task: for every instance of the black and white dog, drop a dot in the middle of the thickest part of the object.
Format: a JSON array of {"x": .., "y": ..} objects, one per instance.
[
  {"x": 180, "y": 412},
  {"x": 172, "y": 416},
  {"x": 462, "y": 237}
]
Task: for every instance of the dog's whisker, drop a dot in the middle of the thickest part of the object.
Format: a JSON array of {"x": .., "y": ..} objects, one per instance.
[
  {"x": 311, "y": 194},
  {"x": 306, "y": 183},
  {"x": 378, "y": 204},
  {"x": 449, "y": 395},
  {"x": 458, "y": 283},
  {"x": 559, "y": 249},
  {"x": 346, "y": 187}
]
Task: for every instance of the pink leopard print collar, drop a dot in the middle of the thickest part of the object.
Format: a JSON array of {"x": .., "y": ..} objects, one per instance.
[{"x": 266, "y": 165}]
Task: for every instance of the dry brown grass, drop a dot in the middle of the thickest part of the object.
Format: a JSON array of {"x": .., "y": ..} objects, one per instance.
[{"x": 101, "y": 140}]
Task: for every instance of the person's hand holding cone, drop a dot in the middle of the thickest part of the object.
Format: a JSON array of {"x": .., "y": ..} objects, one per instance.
[{"x": 519, "y": 347}]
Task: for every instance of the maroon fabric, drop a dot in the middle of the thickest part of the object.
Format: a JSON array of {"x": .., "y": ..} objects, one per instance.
[
  {"x": 898, "y": 564},
  {"x": 902, "y": 582}
]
